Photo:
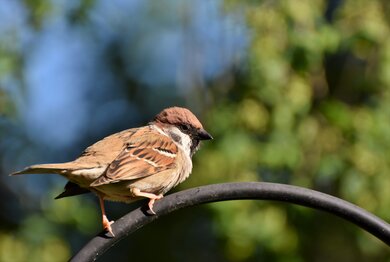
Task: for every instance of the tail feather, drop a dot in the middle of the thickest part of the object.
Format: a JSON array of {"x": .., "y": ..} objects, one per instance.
[
  {"x": 44, "y": 169},
  {"x": 72, "y": 189}
]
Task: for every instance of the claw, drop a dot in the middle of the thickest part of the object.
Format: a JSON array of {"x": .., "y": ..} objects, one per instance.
[
  {"x": 152, "y": 197},
  {"x": 151, "y": 203},
  {"x": 107, "y": 225}
]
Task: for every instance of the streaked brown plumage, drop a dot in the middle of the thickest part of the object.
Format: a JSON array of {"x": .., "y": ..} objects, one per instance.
[{"x": 139, "y": 162}]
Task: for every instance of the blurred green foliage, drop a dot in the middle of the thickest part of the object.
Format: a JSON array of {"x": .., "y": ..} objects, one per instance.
[
  {"x": 311, "y": 109},
  {"x": 310, "y": 106}
]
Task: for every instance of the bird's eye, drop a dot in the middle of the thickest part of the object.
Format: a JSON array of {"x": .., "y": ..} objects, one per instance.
[{"x": 185, "y": 127}]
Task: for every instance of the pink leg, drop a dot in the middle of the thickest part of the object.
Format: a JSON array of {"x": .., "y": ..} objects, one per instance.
[
  {"x": 106, "y": 223},
  {"x": 152, "y": 197}
]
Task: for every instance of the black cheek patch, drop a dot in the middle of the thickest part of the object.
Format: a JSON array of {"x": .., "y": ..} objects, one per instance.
[{"x": 176, "y": 138}]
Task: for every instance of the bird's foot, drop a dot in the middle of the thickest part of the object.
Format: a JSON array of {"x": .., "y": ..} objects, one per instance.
[
  {"x": 107, "y": 225},
  {"x": 151, "y": 196},
  {"x": 151, "y": 202}
]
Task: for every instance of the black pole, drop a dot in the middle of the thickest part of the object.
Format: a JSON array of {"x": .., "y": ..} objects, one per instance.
[{"x": 235, "y": 191}]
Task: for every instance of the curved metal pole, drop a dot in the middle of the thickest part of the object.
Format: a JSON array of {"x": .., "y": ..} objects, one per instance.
[{"x": 235, "y": 191}]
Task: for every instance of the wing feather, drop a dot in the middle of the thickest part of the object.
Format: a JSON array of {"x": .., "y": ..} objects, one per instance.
[{"x": 147, "y": 152}]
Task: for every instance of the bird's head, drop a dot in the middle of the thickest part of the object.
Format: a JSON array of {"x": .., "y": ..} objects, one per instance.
[{"x": 184, "y": 120}]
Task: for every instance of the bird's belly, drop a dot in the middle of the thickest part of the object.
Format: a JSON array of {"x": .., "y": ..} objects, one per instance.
[
  {"x": 159, "y": 183},
  {"x": 118, "y": 191}
]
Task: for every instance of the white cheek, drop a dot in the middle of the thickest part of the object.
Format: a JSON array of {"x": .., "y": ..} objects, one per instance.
[{"x": 185, "y": 143}]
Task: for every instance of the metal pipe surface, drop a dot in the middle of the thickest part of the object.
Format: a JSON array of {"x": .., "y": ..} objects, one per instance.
[{"x": 140, "y": 217}]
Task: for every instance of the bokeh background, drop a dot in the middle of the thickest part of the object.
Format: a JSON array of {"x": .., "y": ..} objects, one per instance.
[{"x": 294, "y": 92}]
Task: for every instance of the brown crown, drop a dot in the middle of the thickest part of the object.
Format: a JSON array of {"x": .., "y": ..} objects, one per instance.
[{"x": 178, "y": 116}]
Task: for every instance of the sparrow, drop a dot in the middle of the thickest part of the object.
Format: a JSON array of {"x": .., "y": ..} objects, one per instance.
[{"x": 143, "y": 162}]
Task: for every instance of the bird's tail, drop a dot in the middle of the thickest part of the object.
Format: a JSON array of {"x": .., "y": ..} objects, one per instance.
[
  {"x": 71, "y": 189},
  {"x": 44, "y": 169}
]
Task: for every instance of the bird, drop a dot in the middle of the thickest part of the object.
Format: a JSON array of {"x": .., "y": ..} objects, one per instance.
[{"x": 141, "y": 162}]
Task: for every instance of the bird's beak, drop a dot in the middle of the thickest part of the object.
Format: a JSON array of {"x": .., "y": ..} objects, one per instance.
[{"x": 203, "y": 135}]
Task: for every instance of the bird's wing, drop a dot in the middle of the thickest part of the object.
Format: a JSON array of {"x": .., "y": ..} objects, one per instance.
[{"x": 147, "y": 152}]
